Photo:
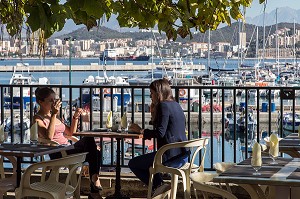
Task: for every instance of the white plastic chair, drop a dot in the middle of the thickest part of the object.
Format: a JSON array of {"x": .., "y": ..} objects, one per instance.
[
  {"x": 9, "y": 183},
  {"x": 51, "y": 188},
  {"x": 184, "y": 171},
  {"x": 205, "y": 188}
]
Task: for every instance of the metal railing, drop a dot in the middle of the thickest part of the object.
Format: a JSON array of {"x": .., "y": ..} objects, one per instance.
[{"x": 203, "y": 118}]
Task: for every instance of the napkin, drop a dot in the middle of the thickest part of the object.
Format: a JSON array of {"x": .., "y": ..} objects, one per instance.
[
  {"x": 124, "y": 121},
  {"x": 2, "y": 133},
  {"x": 34, "y": 132},
  {"x": 109, "y": 120},
  {"x": 256, "y": 154},
  {"x": 274, "y": 145}
]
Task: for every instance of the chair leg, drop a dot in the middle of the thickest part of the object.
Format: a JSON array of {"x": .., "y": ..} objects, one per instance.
[
  {"x": 188, "y": 187},
  {"x": 195, "y": 192},
  {"x": 205, "y": 195},
  {"x": 150, "y": 184},
  {"x": 186, "y": 194},
  {"x": 174, "y": 183}
]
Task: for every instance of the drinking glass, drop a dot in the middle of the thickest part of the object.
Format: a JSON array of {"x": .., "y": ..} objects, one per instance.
[
  {"x": 108, "y": 126},
  {"x": 274, "y": 157},
  {"x": 2, "y": 137},
  {"x": 124, "y": 126},
  {"x": 256, "y": 166}
]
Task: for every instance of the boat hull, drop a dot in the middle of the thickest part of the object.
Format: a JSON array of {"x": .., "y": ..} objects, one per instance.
[{"x": 130, "y": 58}]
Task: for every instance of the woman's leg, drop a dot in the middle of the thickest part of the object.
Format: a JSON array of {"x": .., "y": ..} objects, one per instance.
[
  {"x": 87, "y": 144},
  {"x": 140, "y": 167},
  {"x": 178, "y": 162}
]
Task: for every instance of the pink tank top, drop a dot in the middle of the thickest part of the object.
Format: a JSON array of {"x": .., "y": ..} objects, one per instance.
[{"x": 58, "y": 132}]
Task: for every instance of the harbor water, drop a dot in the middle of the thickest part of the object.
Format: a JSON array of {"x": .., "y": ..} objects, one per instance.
[{"x": 59, "y": 78}]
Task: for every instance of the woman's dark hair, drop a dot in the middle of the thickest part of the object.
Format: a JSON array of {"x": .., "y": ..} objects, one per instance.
[
  {"x": 163, "y": 89},
  {"x": 43, "y": 92}
]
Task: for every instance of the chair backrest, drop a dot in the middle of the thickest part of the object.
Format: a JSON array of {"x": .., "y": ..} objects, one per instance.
[
  {"x": 73, "y": 162},
  {"x": 47, "y": 141},
  {"x": 200, "y": 143}
]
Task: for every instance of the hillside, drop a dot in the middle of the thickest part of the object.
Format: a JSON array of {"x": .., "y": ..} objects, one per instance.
[{"x": 225, "y": 34}]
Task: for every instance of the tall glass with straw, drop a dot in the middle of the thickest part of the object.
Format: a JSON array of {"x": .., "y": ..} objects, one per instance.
[
  {"x": 34, "y": 134},
  {"x": 124, "y": 123}
]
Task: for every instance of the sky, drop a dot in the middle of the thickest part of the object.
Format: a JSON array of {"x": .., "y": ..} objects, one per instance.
[
  {"x": 253, "y": 11},
  {"x": 257, "y": 9}
]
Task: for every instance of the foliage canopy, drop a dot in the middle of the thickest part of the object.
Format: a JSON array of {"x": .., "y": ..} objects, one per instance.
[{"x": 174, "y": 17}]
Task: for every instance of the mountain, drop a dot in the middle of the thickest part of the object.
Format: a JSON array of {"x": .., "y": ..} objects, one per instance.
[
  {"x": 225, "y": 34},
  {"x": 103, "y": 33},
  {"x": 284, "y": 15},
  {"x": 112, "y": 24}
]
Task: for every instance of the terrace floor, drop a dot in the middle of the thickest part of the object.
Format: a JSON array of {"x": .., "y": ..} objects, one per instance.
[{"x": 132, "y": 187}]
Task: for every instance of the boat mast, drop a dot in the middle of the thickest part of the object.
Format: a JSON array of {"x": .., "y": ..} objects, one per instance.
[
  {"x": 294, "y": 44},
  {"x": 208, "y": 51},
  {"x": 264, "y": 34},
  {"x": 151, "y": 58},
  {"x": 277, "y": 46},
  {"x": 239, "y": 46},
  {"x": 256, "y": 51}
]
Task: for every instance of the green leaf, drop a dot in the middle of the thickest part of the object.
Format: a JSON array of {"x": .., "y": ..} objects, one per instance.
[
  {"x": 33, "y": 19},
  {"x": 92, "y": 8}
]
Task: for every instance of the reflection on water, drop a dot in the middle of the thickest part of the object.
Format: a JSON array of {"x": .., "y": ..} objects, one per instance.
[{"x": 216, "y": 141}]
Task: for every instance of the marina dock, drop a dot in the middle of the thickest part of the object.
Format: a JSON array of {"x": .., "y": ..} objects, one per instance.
[{"x": 92, "y": 67}]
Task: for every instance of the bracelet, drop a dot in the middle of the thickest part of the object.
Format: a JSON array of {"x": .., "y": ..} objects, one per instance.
[{"x": 75, "y": 118}]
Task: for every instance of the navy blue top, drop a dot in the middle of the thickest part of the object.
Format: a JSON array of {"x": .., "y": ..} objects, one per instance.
[{"x": 169, "y": 127}]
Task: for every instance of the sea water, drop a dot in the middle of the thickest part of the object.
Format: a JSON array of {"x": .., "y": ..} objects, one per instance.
[{"x": 78, "y": 77}]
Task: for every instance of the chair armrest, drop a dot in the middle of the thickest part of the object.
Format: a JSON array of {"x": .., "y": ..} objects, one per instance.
[
  {"x": 185, "y": 144},
  {"x": 72, "y": 138},
  {"x": 13, "y": 161}
]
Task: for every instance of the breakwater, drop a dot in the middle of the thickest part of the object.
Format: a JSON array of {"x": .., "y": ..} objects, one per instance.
[
  {"x": 194, "y": 119},
  {"x": 91, "y": 67}
]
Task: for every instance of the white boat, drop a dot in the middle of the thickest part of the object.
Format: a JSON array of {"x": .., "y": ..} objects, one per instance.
[
  {"x": 290, "y": 124},
  {"x": 106, "y": 81},
  {"x": 152, "y": 75},
  {"x": 22, "y": 78},
  {"x": 17, "y": 129},
  {"x": 183, "y": 77}
]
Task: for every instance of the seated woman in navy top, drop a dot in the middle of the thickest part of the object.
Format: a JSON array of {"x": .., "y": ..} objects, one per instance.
[{"x": 168, "y": 127}]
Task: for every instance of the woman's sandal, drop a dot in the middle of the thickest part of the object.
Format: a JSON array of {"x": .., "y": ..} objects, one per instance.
[
  {"x": 96, "y": 188},
  {"x": 94, "y": 196}
]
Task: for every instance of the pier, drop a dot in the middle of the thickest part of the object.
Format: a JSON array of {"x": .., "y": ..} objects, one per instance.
[{"x": 58, "y": 67}]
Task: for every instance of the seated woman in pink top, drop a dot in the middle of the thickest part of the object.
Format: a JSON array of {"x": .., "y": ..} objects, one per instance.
[{"x": 51, "y": 127}]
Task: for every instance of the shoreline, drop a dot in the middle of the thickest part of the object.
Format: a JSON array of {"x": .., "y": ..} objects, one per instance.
[{"x": 92, "y": 67}]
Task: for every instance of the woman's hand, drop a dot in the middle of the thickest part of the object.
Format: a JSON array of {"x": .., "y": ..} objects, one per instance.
[
  {"x": 77, "y": 113},
  {"x": 56, "y": 107},
  {"x": 134, "y": 128}
]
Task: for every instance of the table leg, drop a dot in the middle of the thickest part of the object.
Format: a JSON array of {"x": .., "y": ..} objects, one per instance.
[
  {"x": 279, "y": 192},
  {"x": 118, "y": 193},
  {"x": 19, "y": 171}
]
